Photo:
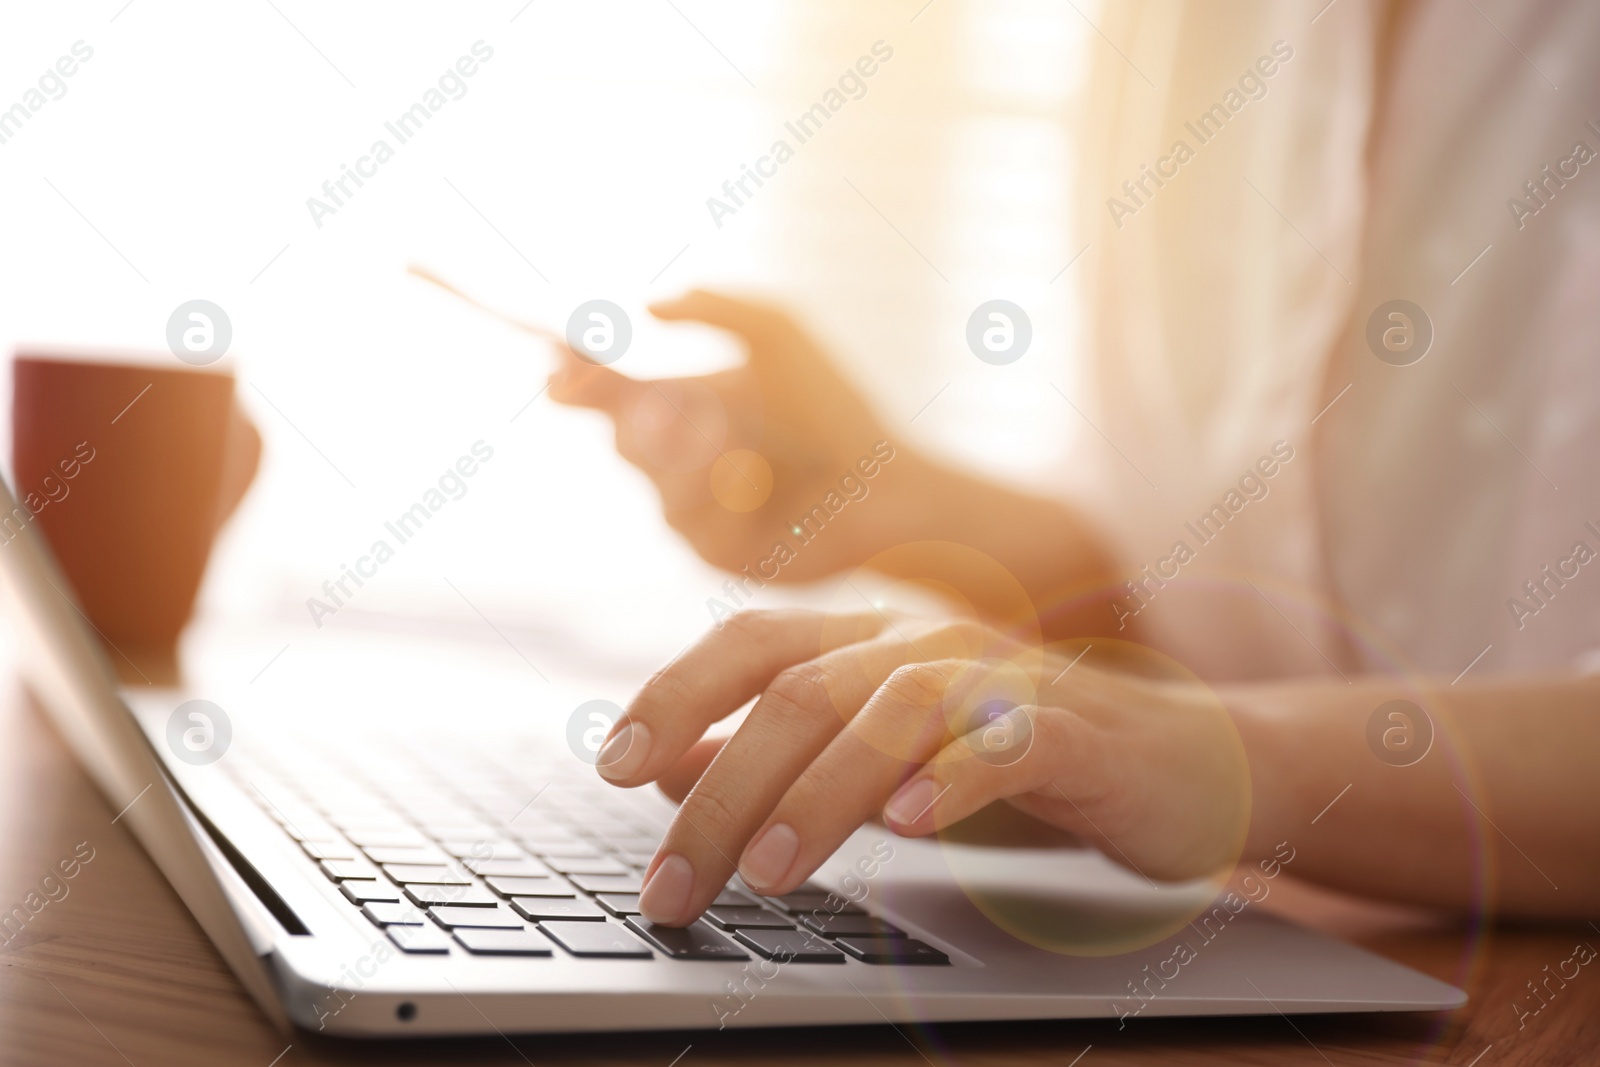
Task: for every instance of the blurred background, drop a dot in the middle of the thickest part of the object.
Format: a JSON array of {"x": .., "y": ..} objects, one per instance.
[{"x": 576, "y": 165}]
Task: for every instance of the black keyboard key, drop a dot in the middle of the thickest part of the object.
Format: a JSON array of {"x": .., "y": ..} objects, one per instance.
[
  {"x": 467, "y": 896},
  {"x": 527, "y": 867},
  {"x": 455, "y": 827},
  {"x": 632, "y": 843},
  {"x": 530, "y": 887},
  {"x": 425, "y": 940},
  {"x": 343, "y": 870},
  {"x": 789, "y": 946},
  {"x": 619, "y": 904},
  {"x": 369, "y": 891},
  {"x": 548, "y": 889},
  {"x": 388, "y": 838},
  {"x": 807, "y": 886},
  {"x": 607, "y": 883},
  {"x": 892, "y": 950},
  {"x": 587, "y": 865},
  {"x": 481, "y": 848},
  {"x": 393, "y": 915},
  {"x": 800, "y": 903},
  {"x": 452, "y": 916},
  {"x": 375, "y": 817},
  {"x": 308, "y": 830},
  {"x": 697, "y": 941},
  {"x": 546, "y": 834},
  {"x": 575, "y": 850},
  {"x": 430, "y": 854},
  {"x": 595, "y": 940},
  {"x": 748, "y": 917},
  {"x": 734, "y": 898},
  {"x": 539, "y": 909},
  {"x": 508, "y": 867},
  {"x": 426, "y": 874},
  {"x": 640, "y": 859},
  {"x": 504, "y": 942},
  {"x": 831, "y": 926},
  {"x": 330, "y": 850}
]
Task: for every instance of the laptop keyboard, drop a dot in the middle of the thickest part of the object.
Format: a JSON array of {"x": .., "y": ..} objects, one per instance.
[{"x": 456, "y": 850}]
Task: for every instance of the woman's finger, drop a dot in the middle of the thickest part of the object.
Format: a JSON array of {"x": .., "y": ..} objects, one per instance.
[
  {"x": 794, "y": 721},
  {"x": 768, "y": 330},
  {"x": 677, "y": 780},
  {"x": 1026, "y": 750},
  {"x": 580, "y": 383},
  {"x": 711, "y": 680},
  {"x": 903, "y": 724}
]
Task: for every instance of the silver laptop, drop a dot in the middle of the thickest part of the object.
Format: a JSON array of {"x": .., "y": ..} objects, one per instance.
[{"x": 368, "y": 872}]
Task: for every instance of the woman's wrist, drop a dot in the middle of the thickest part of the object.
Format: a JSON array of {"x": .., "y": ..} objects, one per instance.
[
  {"x": 1038, "y": 542},
  {"x": 1268, "y": 737},
  {"x": 905, "y": 503}
]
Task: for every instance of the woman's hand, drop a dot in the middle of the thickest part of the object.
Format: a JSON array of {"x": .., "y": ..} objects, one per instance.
[
  {"x": 820, "y": 444},
  {"x": 858, "y": 715},
  {"x": 787, "y": 404}
]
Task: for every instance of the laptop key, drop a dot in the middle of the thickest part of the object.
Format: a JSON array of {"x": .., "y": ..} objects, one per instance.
[
  {"x": 607, "y": 883},
  {"x": 364, "y": 811},
  {"x": 800, "y": 903},
  {"x": 527, "y": 867},
  {"x": 426, "y": 874},
  {"x": 750, "y": 917},
  {"x": 590, "y": 940},
  {"x": 892, "y": 950},
  {"x": 733, "y": 898},
  {"x": 388, "y": 838},
  {"x": 530, "y": 887},
  {"x": 393, "y": 915},
  {"x": 630, "y": 843},
  {"x": 697, "y": 941},
  {"x": 427, "y": 940},
  {"x": 621, "y": 905},
  {"x": 637, "y": 857},
  {"x": 454, "y": 825},
  {"x": 341, "y": 870},
  {"x": 549, "y": 889},
  {"x": 429, "y": 854},
  {"x": 576, "y": 850},
  {"x": 832, "y": 926},
  {"x": 302, "y": 829},
  {"x": 466, "y": 896},
  {"x": 451, "y": 916},
  {"x": 789, "y": 946},
  {"x": 587, "y": 865},
  {"x": 369, "y": 891},
  {"x": 481, "y": 942},
  {"x": 533, "y": 836},
  {"x": 330, "y": 850},
  {"x": 538, "y": 909},
  {"x": 484, "y": 849}
]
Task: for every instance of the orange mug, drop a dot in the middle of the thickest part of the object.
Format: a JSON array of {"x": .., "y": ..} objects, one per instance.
[{"x": 128, "y": 470}]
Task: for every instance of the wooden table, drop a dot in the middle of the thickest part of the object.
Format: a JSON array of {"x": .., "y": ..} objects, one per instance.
[{"x": 118, "y": 972}]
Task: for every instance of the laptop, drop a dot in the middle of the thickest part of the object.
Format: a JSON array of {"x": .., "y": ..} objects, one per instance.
[{"x": 375, "y": 862}]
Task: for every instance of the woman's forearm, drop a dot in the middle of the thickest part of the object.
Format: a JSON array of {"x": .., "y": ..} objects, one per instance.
[
  {"x": 1055, "y": 557},
  {"x": 1502, "y": 810}
]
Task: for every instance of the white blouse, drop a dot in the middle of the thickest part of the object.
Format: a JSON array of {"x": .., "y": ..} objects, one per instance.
[{"x": 1345, "y": 287}]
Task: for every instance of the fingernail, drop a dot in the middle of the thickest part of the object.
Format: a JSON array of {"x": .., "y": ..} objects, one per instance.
[
  {"x": 911, "y": 802},
  {"x": 770, "y": 856},
  {"x": 666, "y": 894},
  {"x": 626, "y": 752}
]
